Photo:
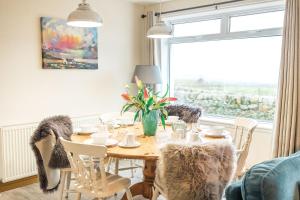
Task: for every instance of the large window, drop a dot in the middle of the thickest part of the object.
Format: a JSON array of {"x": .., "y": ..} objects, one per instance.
[{"x": 229, "y": 65}]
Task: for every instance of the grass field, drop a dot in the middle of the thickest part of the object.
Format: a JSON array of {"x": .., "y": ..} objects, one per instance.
[{"x": 230, "y": 100}]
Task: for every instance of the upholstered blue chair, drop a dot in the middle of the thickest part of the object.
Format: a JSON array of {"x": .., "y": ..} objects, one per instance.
[{"x": 277, "y": 179}]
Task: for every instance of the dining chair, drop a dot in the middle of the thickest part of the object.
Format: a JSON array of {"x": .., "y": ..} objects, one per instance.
[
  {"x": 187, "y": 113},
  {"x": 129, "y": 117},
  {"x": 90, "y": 180},
  {"x": 242, "y": 138},
  {"x": 193, "y": 172}
]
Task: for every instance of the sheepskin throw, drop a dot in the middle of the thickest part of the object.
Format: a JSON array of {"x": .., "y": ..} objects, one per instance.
[
  {"x": 188, "y": 114},
  {"x": 58, "y": 126},
  {"x": 195, "y": 172}
]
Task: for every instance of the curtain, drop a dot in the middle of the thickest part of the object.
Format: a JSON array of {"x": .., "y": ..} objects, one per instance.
[
  {"x": 151, "y": 47},
  {"x": 287, "y": 124}
]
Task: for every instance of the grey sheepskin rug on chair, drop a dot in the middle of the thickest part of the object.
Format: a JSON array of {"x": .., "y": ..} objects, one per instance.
[
  {"x": 188, "y": 114},
  {"x": 49, "y": 152},
  {"x": 195, "y": 172}
]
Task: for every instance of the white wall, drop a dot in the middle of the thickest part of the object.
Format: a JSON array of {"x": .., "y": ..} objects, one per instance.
[{"x": 29, "y": 93}]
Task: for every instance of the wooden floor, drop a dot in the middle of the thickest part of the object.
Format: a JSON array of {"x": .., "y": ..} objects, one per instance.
[{"x": 33, "y": 192}]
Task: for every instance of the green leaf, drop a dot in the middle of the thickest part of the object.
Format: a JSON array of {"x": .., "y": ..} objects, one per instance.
[
  {"x": 162, "y": 118},
  {"x": 167, "y": 92},
  {"x": 165, "y": 113},
  {"x": 123, "y": 108},
  {"x": 136, "y": 115},
  {"x": 149, "y": 102},
  {"x": 128, "y": 107}
]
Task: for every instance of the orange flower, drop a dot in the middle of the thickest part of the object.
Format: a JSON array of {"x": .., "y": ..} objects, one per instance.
[
  {"x": 146, "y": 95},
  {"x": 126, "y": 96}
]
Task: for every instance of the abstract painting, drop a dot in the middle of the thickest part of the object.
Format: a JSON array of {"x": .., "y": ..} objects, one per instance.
[{"x": 66, "y": 47}]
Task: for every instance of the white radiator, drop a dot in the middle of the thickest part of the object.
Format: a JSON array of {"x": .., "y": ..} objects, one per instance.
[{"x": 16, "y": 156}]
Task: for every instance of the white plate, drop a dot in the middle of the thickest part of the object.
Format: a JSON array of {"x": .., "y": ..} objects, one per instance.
[
  {"x": 90, "y": 131},
  {"x": 212, "y": 133},
  {"x": 116, "y": 126},
  {"x": 122, "y": 144},
  {"x": 109, "y": 142}
]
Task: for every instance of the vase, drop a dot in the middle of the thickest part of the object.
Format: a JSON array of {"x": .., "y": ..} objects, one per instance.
[{"x": 149, "y": 121}]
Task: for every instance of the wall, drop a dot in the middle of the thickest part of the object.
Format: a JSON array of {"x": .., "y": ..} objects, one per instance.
[{"x": 29, "y": 93}]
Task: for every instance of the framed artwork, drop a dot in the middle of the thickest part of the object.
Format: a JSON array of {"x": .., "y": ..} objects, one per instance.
[{"x": 66, "y": 47}]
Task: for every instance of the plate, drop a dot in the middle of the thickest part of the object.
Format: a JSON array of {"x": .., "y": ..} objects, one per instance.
[
  {"x": 121, "y": 144},
  {"x": 212, "y": 134},
  {"x": 79, "y": 131},
  {"x": 110, "y": 142}
]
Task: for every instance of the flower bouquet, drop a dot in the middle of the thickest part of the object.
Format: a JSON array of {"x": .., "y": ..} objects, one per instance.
[{"x": 149, "y": 105}]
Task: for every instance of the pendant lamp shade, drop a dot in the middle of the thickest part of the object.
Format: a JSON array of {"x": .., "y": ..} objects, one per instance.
[
  {"x": 84, "y": 16},
  {"x": 160, "y": 30}
]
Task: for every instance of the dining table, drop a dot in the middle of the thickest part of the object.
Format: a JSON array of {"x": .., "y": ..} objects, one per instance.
[{"x": 147, "y": 151}]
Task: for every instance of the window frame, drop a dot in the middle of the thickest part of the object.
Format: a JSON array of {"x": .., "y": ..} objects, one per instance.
[{"x": 224, "y": 34}]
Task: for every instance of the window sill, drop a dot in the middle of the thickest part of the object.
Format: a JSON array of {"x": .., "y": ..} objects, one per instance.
[{"x": 227, "y": 122}]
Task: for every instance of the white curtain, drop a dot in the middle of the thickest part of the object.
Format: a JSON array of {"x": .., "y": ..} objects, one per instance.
[
  {"x": 287, "y": 127},
  {"x": 151, "y": 47}
]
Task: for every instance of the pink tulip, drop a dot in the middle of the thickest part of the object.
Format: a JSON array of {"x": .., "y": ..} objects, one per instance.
[{"x": 146, "y": 95}]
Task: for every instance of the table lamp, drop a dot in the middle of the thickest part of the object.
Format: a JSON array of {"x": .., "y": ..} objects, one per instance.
[{"x": 148, "y": 74}]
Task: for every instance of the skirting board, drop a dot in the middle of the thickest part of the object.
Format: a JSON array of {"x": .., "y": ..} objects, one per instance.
[{"x": 18, "y": 183}]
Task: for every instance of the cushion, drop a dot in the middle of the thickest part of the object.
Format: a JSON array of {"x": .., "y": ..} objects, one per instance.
[
  {"x": 233, "y": 191},
  {"x": 275, "y": 179}
]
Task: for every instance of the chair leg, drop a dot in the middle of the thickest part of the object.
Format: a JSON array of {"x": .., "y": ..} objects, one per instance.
[
  {"x": 109, "y": 163},
  {"x": 128, "y": 194},
  {"x": 155, "y": 194},
  {"x": 131, "y": 165},
  {"x": 69, "y": 175},
  {"x": 78, "y": 196},
  {"x": 117, "y": 166},
  {"x": 62, "y": 184}
]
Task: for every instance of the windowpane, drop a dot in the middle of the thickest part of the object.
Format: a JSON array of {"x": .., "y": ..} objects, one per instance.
[
  {"x": 228, "y": 77},
  {"x": 197, "y": 28},
  {"x": 257, "y": 21}
]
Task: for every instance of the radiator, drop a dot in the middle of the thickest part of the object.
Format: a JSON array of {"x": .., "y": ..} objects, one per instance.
[{"x": 16, "y": 156}]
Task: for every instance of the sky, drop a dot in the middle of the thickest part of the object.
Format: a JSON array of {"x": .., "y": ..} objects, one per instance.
[{"x": 251, "y": 60}]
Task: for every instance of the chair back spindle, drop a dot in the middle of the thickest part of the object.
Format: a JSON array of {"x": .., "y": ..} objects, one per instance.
[{"x": 243, "y": 132}]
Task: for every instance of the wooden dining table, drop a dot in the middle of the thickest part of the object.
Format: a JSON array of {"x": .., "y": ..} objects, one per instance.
[{"x": 147, "y": 151}]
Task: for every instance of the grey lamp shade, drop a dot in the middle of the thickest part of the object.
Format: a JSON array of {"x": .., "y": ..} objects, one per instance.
[{"x": 149, "y": 74}]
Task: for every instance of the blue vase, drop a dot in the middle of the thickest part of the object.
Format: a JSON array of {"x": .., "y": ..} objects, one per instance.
[{"x": 149, "y": 121}]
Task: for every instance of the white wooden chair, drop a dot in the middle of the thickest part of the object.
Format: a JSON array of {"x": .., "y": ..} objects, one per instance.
[
  {"x": 129, "y": 117},
  {"x": 88, "y": 180},
  {"x": 243, "y": 131}
]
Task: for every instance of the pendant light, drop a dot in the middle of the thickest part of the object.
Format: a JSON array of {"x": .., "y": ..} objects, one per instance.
[
  {"x": 160, "y": 29},
  {"x": 84, "y": 16}
]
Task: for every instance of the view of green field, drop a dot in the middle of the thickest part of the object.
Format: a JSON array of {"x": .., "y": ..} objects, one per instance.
[{"x": 230, "y": 100}]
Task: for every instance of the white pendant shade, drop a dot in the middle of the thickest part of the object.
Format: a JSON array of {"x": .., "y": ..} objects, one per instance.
[
  {"x": 84, "y": 16},
  {"x": 160, "y": 30}
]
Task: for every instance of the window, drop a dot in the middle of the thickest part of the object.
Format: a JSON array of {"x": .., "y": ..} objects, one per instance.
[
  {"x": 257, "y": 21},
  {"x": 231, "y": 73},
  {"x": 197, "y": 28}
]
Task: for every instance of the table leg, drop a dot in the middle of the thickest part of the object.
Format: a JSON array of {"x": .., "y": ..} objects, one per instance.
[{"x": 144, "y": 188}]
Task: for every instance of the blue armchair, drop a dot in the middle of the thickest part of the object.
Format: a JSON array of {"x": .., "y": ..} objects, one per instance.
[{"x": 277, "y": 179}]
